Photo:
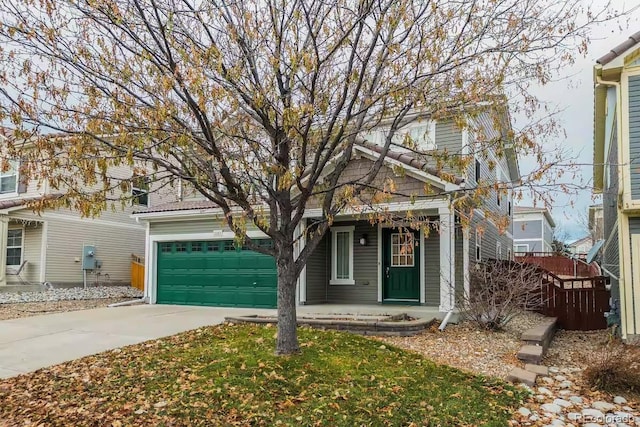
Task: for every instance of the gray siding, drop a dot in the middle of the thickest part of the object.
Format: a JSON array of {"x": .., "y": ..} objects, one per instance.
[
  {"x": 432, "y": 268},
  {"x": 611, "y": 253},
  {"x": 527, "y": 229},
  {"x": 449, "y": 139},
  {"x": 634, "y": 134},
  {"x": 548, "y": 236},
  {"x": 318, "y": 273},
  {"x": 365, "y": 268}
]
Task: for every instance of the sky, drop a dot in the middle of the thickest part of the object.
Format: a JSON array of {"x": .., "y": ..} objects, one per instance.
[{"x": 572, "y": 94}]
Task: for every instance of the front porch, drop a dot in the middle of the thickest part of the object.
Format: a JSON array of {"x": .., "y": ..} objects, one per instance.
[
  {"x": 22, "y": 241},
  {"x": 375, "y": 266}
]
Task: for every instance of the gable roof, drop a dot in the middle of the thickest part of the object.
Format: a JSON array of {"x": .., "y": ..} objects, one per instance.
[
  {"x": 16, "y": 204},
  {"x": 619, "y": 49}
]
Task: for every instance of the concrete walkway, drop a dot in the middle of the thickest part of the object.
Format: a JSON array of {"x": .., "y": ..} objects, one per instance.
[{"x": 36, "y": 342}]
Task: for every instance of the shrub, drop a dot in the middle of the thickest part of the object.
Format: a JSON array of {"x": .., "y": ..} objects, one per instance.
[
  {"x": 616, "y": 369},
  {"x": 500, "y": 290}
]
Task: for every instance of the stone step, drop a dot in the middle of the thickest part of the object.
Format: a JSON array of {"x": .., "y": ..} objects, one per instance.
[
  {"x": 537, "y": 369},
  {"x": 519, "y": 375},
  {"x": 531, "y": 353}
]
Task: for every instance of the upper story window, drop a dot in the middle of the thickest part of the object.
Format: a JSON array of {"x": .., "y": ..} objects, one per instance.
[
  {"x": 140, "y": 190},
  {"x": 418, "y": 135},
  {"x": 9, "y": 178},
  {"x": 478, "y": 245},
  {"x": 477, "y": 170}
]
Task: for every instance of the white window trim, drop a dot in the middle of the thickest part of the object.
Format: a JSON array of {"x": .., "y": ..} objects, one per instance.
[
  {"x": 498, "y": 250},
  {"x": 15, "y": 167},
  {"x": 478, "y": 246},
  {"x": 141, "y": 191},
  {"x": 14, "y": 247},
  {"x": 334, "y": 256},
  {"x": 521, "y": 244}
]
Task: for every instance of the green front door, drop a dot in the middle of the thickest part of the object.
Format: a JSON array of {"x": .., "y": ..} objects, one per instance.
[
  {"x": 215, "y": 273},
  {"x": 401, "y": 265}
]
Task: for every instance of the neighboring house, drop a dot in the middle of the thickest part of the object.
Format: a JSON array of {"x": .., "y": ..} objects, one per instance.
[
  {"x": 596, "y": 222},
  {"x": 581, "y": 246},
  {"x": 532, "y": 230},
  {"x": 192, "y": 259},
  {"x": 616, "y": 175},
  {"x": 53, "y": 245}
]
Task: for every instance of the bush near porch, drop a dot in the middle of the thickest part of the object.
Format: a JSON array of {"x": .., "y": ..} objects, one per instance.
[{"x": 229, "y": 375}]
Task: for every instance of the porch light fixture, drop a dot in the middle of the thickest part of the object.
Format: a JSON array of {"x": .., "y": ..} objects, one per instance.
[{"x": 363, "y": 240}]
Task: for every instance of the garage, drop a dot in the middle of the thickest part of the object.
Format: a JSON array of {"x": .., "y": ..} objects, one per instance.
[{"x": 215, "y": 273}]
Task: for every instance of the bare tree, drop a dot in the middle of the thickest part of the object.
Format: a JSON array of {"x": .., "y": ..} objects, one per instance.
[
  {"x": 258, "y": 104},
  {"x": 499, "y": 291}
]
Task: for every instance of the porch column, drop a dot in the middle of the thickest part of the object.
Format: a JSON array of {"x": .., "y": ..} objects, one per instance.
[
  {"x": 4, "y": 227},
  {"x": 300, "y": 245},
  {"x": 447, "y": 260}
]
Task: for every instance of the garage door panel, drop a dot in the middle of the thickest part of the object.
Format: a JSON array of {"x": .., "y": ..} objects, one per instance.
[{"x": 215, "y": 273}]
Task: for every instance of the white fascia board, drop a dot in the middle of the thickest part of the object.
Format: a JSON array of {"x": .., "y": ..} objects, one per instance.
[{"x": 391, "y": 207}]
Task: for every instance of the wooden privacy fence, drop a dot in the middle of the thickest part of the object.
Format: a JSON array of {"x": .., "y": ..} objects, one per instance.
[
  {"x": 579, "y": 304},
  {"x": 137, "y": 272},
  {"x": 558, "y": 264}
]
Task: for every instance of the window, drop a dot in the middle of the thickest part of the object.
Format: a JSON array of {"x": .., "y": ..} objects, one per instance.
[
  {"x": 498, "y": 197},
  {"x": 509, "y": 208},
  {"x": 213, "y": 247},
  {"x": 14, "y": 246},
  {"x": 402, "y": 250},
  {"x": 166, "y": 247},
  {"x": 140, "y": 190},
  {"x": 181, "y": 247},
  {"x": 196, "y": 247},
  {"x": 342, "y": 256},
  {"x": 478, "y": 245},
  {"x": 521, "y": 248},
  {"x": 498, "y": 250},
  {"x": 9, "y": 179},
  {"x": 509, "y": 257},
  {"x": 477, "y": 170}
]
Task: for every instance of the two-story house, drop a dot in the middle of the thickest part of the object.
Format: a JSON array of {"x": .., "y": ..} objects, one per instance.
[
  {"x": 192, "y": 258},
  {"x": 533, "y": 230},
  {"x": 616, "y": 175},
  {"x": 59, "y": 246}
]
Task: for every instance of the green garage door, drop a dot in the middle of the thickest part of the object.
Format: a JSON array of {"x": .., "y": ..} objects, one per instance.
[{"x": 215, "y": 273}]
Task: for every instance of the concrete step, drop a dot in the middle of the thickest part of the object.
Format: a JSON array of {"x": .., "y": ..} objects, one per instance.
[
  {"x": 531, "y": 353},
  {"x": 537, "y": 369},
  {"x": 519, "y": 375}
]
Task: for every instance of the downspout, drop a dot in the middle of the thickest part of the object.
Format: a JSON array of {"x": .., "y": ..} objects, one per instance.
[{"x": 622, "y": 276}]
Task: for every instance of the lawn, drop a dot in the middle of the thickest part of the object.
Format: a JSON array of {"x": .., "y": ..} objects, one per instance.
[{"x": 228, "y": 375}]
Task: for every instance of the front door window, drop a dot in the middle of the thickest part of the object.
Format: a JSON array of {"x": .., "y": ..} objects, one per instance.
[{"x": 402, "y": 250}]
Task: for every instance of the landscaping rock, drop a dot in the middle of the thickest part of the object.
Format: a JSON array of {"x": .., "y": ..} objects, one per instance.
[
  {"x": 593, "y": 413},
  {"x": 603, "y": 406},
  {"x": 565, "y": 384},
  {"x": 551, "y": 407},
  {"x": 576, "y": 399},
  {"x": 619, "y": 400},
  {"x": 563, "y": 403},
  {"x": 524, "y": 412},
  {"x": 78, "y": 293},
  {"x": 544, "y": 390}
]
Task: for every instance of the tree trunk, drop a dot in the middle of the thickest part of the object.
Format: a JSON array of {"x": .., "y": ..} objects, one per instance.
[{"x": 287, "y": 341}]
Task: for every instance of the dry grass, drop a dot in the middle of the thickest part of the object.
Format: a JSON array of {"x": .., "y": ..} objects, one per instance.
[{"x": 615, "y": 369}]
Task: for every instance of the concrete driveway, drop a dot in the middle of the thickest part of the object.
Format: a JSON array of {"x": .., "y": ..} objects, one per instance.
[{"x": 36, "y": 342}]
